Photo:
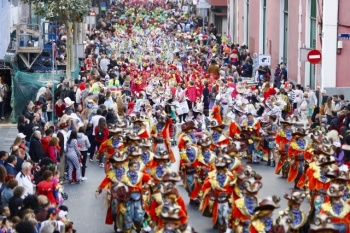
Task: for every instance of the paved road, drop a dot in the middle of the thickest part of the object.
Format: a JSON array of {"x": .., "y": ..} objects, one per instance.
[{"x": 88, "y": 213}]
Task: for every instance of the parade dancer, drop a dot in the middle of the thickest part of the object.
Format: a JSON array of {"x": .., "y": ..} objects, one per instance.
[
  {"x": 139, "y": 127},
  {"x": 134, "y": 179},
  {"x": 165, "y": 190},
  {"x": 283, "y": 139},
  {"x": 216, "y": 195},
  {"x": 188, "y": 157},
  {"x": 252, "y": 126},
  {"x": 147, "y": 156},
  {"x": 337, "y": 209},
  {"x": 187, "y": 134},
  {"x": 204, "y": 163},
  {"x": 299, "y": 220},
  {"x": 296, "y": 155},
  {"x": 318, "y": 181},
  {"x": 262, "y": 220},
  {"x": 218, "y": 135},
  {"x": 112, "y": 179},
  {"x": 243, "y": 210},
  {"x": 160, "y": 133}
]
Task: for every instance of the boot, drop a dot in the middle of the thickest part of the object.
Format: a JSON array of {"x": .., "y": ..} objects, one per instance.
[
  {"x": 180, "y": 118},
  {"x": 268, "y": 163},
  {"x": 249, "y": 159},
  {"x": 273, "y": 164},
  {"x": 184, "y": 117}
]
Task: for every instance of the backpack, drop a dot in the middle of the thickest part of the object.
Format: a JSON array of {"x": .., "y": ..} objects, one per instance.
[
  {"x": 303, "y": 105},
  {"x": 100, "y": 135}
]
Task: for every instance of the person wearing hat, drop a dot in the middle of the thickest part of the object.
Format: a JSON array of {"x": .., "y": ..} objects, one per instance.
[
  {"x": 262, "y": 220},
  {"x": 173, "y": 220},
  {"x": 252, "y": 126},
  {"x": 243, "y": 207},
  {"x": 113, "y": 177},
  {"x": 135, "y": 180},
  {"x": 166, "y": 189},
  {"x": 322, "y": 224},
  {"x": 114, "y": 143},
  {"x": 187, "y": 134},
  {"x": 296, "y": 214},
  {"x": 160, "y": 133},
  {"x": 160, "y": 168},
  {"x": 337, "y": 209},
  {"x": 216, "y": 112},
  {"x": 215, "y": 194},
  {"x": 188, "y": 157},
  {"x": 318, "y": 180},
  {"x": 147, "y": 156},
  {"x": 138, "y": 126},
  {"x": 218, "y": 136},
  {"x": 296, "y": 152},
  {"x": 204, "y": 163},
  {"x": 283, "y": 139}
]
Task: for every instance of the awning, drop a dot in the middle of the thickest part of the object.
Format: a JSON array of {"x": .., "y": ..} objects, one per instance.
[
  {"x": 217, "y": 2},
  {"x": 220, "y": 13}
]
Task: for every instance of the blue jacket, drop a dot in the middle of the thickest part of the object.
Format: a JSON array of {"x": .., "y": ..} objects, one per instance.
[{"x": 11, "y": 170}]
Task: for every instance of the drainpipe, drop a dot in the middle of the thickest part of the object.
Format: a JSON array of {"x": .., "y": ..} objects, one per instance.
[{"x": 299, "y": 40}]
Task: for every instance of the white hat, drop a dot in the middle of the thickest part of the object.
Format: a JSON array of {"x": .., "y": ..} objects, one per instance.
[
  {"x": 21, "y": 135},
  {"x": 337, "y": 144},
  {"x": 68, "y": 102}
]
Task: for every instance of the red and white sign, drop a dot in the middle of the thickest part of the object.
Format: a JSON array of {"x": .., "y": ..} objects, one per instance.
[{"x": 314, "y": 56}]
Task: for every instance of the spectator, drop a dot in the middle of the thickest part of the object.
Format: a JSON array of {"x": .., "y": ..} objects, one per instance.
[
  {"x": 10, "y": 165},
  {"x": 36, "y": 150},
  {"x": 53, "y": 151},
  {"x": 84, "y": 143},
  {"x": 24, "y": 180},
  {"x": 73, "y": 157},
  {"x": 16, "y": 201},
  {"x": 213, "y": 68},
  {"x": 3, "y": 157},
  {"x": 8, "y": 191},
  {"x": 45, "y": 140},
  {"x": 101, "y": 135},
  {"x": 46, "y": 188}
]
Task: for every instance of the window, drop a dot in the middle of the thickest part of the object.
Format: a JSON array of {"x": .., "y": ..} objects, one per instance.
[
  {"x": 313, "y": 25},
  {"x": 285, "y": 31},
  {"x": 264, "y": 28}
]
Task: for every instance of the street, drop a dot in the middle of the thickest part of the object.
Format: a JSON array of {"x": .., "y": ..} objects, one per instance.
[{"x": 88, "y": 213}]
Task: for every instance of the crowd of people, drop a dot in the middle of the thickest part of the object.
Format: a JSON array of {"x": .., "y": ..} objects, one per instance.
[{"x": 154, "y": 79}]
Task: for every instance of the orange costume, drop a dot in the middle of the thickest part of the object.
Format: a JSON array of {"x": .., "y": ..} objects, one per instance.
[
  {"x": 234, "y": 129},
  {"x": 203, "y": 165},
  {"x": 160, "y": 132},
  {"x": 338, "y": 210},
  {"x": 217, "y": 189},
  {"x": 296, "y": 154},
  {"x": 216, "y": 113},
  {"x": 187, "y": 135}
]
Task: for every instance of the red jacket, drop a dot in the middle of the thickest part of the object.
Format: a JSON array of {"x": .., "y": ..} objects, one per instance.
[
  {"x": 51, "y": 153},
  {"x": 59, "y": 110},
  {"x": 271, "y": 91},
  {"x": 191, "y": 93},
  {"x": 105, "y": 135},
  {"x": 45, "y": 142}
]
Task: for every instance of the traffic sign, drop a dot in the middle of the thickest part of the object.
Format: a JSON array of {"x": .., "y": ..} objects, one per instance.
[
  {"x": 264, "y": 60},
  {"x": 344, "y": 36},
  {"x": 314, "y": 56},
  {"x": 202, "y": 4}
]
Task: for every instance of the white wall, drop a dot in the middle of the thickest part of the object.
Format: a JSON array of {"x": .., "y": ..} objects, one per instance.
[
  {"x": 330, "y": 38},
  {"x": 5, "y": 22}
]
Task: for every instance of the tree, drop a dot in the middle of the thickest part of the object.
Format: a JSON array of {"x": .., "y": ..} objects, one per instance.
[{"x": 67, "y": 12}]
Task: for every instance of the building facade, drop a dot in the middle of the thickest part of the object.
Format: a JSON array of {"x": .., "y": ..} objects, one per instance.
[{"x": 288, "y": 29}]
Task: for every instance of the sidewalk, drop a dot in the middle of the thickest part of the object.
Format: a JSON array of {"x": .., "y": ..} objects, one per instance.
[{"x": 8, "y": 134}]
